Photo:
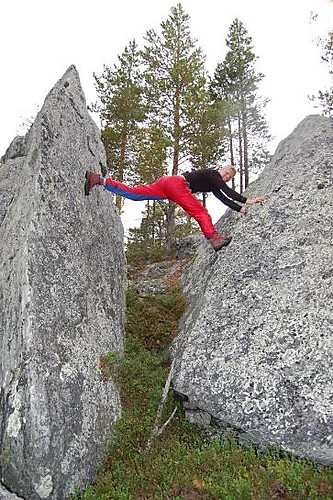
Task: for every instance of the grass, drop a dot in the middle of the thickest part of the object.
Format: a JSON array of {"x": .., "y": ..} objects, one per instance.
[{"x": 183, "y": 463}]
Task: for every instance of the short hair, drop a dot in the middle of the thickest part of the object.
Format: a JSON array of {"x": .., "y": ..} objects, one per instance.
[{"x": 231, "y": 168}]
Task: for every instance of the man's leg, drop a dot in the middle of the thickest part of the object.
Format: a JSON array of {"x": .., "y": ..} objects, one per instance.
[
  {"x": 138, "y": 193},
  {"x": 176, "y": 189}
]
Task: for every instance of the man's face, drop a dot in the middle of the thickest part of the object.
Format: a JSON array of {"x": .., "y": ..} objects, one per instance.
[{"x": 227, "y": 173}]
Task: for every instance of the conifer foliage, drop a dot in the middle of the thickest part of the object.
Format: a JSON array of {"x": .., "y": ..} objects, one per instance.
[
  {"x": 121, "y": 111},
  {"x": 325, "y": 97},
  {"x": 174, "y": 80},
  {"x": 161, "y": 115},
  {"x": 235, "y": 83}
]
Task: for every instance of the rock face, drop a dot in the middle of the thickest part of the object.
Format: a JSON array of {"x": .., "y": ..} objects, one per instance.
[
  {"x": 6, "y": 495},
  {"x": 62, "y": 283},
  {"x": 254, "y": 352}
]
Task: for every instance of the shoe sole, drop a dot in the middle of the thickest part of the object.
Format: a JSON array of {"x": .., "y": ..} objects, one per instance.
[
  {"x": 222, "y": 245},
  {"x": 86, "y": 185}
]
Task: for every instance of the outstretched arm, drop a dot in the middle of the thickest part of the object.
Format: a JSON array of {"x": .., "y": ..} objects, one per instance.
[
  {"x": 231, "y": 193},
  {"x": 225, "y": 194},
  {"x": 228, "y": 196},
  {"x": 227, "y": 201}
]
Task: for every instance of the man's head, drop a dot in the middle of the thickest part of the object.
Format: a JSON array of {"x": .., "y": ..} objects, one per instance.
[{"x": 227, "y": 172}]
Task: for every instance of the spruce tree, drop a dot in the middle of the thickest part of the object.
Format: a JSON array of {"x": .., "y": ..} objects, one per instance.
[{"x": 235, "y": 84}]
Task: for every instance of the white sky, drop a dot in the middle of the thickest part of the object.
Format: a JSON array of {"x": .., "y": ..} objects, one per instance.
[{"x": 40, "y": 39}]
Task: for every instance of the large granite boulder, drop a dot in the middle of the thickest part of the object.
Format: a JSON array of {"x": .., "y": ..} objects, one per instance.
[
  {"x": 62, "y": 305},
  {"x": 7, "y": 495},
  {"x": 254, "y": 352}
]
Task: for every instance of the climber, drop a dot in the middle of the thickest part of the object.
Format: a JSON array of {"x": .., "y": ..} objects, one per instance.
[{"x": 179, "y": 188}]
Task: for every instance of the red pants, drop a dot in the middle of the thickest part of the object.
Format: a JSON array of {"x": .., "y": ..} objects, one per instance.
[{"x": 171, "y": 187}]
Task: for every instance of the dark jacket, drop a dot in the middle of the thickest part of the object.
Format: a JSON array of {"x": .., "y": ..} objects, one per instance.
[{"x": 209, "y": 181}]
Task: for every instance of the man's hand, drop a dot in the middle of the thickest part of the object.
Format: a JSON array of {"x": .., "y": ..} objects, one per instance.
[
  {"x": 253, "y": 201},
  {"x": 257, "y": 199}
]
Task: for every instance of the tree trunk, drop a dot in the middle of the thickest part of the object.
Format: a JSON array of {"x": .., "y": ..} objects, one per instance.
[
  {"x": 153, "y": 223},
  {"x": 171, "y": 211},
  {"x": 245, "y": 146},
  {"x": 240, "y": 147},
  {"x": 170, "y": 227},
  {"x": 231, "y": 148}
]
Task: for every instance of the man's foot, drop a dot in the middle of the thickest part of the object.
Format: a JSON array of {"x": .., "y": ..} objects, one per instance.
[
  {"x": 219, "y": 241},
  {"x": 92, "y": 179}
]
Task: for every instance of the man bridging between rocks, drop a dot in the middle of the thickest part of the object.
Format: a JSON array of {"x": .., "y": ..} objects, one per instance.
[{"x": 180, "y": 189}]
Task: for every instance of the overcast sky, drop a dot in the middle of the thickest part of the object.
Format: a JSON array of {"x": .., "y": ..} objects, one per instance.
[{"x": 40, "y": 39}]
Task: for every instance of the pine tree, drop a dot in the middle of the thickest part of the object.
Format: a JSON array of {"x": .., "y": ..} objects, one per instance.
[
  {"x": 121, "y": 111},
  {"x": 174, "y": 77},
  {"x": 235, "y": 83}
]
